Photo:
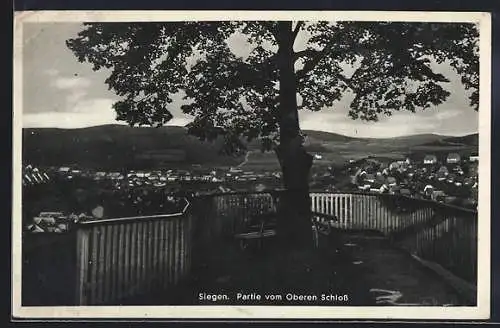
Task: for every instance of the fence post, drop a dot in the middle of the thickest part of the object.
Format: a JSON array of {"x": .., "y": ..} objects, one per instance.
[{"x": 82, "y": 265}]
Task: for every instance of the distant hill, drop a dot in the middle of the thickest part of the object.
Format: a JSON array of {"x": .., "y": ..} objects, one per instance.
[
  {"x": 323, "y": 136},
  {"x": 117, "y": 146},
  {"x": 111, "y": 146},
  {"x": 468, "y": 140}
]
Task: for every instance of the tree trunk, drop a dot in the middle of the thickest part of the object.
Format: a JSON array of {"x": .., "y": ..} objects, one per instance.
[{"x": 294, "y": 222}]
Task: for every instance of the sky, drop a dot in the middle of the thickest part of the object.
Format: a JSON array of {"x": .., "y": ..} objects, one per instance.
[{"x": 58, "y": 91}]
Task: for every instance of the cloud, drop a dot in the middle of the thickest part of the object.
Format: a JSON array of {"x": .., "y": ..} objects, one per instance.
[
  {"x": 71, "y": 82},
  {"x": 447, "y": 114},
  {"x": 58, "y": 91},
  {"x": 87, "y": 113},
  {"x": 73, "y": 97},
  {"x": 180, "y": 121},
  {"x": 399, "y": 124},
  {"x": 51, "y": 72}
]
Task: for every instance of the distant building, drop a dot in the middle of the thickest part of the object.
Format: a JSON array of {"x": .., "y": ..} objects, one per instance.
[
  {"x": 438, "y": 195},
  {"x": 453, "y": 158},
  {"x": 64, "y": 169},
  {"x": 394, "y": 166},
  {"x": 384, "y": 189},
  {"x": 474, "y": 158},
  {"x": 394, "y": 189},
  {"x": 379, "y": 177},
  {"x": 405, "y": 192},
  {"x": 391, "y": 181},
  {"x": 430, "y": 159},
  {"x": 442, "y": 172},
  {"x": 370, "y": 178},
  {"x": 235, "y": 170},
  {"x": 428, "y": 190}
]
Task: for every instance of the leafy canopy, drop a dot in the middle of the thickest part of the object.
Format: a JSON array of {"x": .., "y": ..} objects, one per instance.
[{"x": 387, "y": 66}]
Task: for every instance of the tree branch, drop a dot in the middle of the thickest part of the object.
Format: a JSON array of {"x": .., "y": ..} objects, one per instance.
[
  {"x": 271, "y": 27},
  {"x": 304, "y": 53},
  {"x": 317, "y": 55},
  {"x": 297, "y": 29},
  {"x": 347, "y": 82}
]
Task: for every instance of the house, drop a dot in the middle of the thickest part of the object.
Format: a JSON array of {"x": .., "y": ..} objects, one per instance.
[
  {"x": 384, "y": 189},
  {"x": 405, "y": 192},
  {"x": 453, "y": 158},
  {"x": 438, "y": 195},
  {"x": 395, "y": 189},
  {"x": 428, "y": 190},
  {"x": 379, "y": 178},
  {"x": 451, "y": 178},
  {"x": 468, "y": 181},
  {"x": 100, "y": 175},
  {"x": 260, "y": 187},
  {"x": 360, "y": 175},
  {"x": 391, "y": 181},
  {"x": 64, "y": 169},
  {"x": 430, "y": 159},
  {"x": 154, "y": 177},
  {"x": 442, "y": 173},
  {"x": 115, "y": 175},
  {"x": 235, "y": 170},
  {"x": 365, "y": 187},
  {"x": 370, "y": 178},
  {"x": 394, "y": 166}
]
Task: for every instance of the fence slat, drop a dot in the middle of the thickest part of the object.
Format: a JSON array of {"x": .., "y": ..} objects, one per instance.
[{"x": 122, "y": 258}]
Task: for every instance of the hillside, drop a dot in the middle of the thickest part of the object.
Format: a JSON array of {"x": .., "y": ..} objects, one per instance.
[
  {"x": 468, "y": 140},
  {"x": 112, "y": 146},
  {"x": 117, "y": 146}
]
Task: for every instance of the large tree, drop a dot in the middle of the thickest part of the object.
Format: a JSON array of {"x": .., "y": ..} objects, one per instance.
[{"x": 386, "y": 66}]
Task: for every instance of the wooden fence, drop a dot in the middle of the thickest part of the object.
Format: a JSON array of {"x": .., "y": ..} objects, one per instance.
[
  {"x": 437, "y": 232},
  {"x": 116, "y": 259},
  {"x": 122, "y": 258}
]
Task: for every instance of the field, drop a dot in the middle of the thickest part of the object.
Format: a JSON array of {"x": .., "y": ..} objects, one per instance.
[{"x": 337, "y": 150}]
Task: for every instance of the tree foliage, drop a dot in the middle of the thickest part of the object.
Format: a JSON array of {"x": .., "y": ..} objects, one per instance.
[{"x": 387, "y": 66}]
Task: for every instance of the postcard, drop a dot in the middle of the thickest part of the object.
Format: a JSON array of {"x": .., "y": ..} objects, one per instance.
[{"x": 241, "y": 165}]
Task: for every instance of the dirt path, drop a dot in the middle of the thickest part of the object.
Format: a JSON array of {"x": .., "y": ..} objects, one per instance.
[
  {"x": 247, "y": 156},
  {"x": 393, "y": 277}
]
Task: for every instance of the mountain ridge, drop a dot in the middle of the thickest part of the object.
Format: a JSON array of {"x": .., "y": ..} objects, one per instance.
[
  {"x": 114, "y": 145},
  {"x": 307, "y": 132}
]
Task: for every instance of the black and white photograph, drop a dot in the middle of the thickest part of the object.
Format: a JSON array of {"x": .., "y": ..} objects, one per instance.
[{"x": 251, "y": 165}]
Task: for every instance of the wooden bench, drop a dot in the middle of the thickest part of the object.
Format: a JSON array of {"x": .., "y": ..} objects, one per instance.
[{"x": 267, "y": 229}]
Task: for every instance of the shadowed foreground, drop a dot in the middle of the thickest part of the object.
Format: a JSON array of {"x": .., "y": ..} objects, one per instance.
[{"x": 349, "y": 269}]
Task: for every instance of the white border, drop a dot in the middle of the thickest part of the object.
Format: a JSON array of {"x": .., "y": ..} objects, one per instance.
[{"x": 481, "y": 311}]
